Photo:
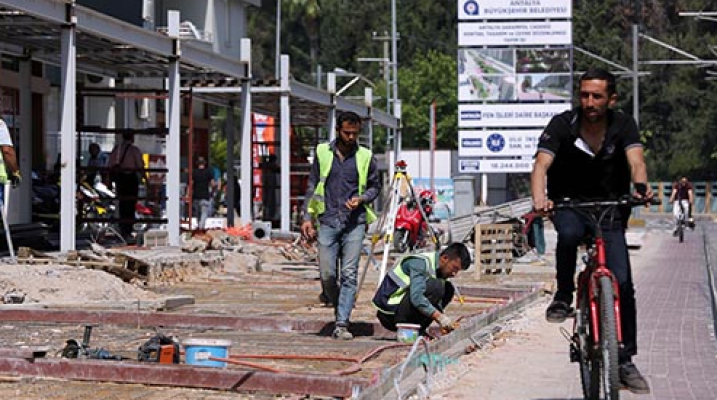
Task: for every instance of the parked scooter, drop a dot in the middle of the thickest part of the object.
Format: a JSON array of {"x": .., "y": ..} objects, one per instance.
[{"x": 411, "y": 229}]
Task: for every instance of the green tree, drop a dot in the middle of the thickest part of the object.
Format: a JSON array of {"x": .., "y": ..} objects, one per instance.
[{"x": 430, "y": 77}]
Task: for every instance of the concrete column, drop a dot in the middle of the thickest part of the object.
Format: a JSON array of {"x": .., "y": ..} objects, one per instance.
[
  {"x": 173, "y": 121},
  {"x": 68, "y": 131},
  {"x": 285, "y": 141}
]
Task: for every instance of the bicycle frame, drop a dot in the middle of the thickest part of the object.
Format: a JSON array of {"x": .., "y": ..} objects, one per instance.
[
  {"x": 598, "y": 306},
  {"x": 596, "y": 267}
]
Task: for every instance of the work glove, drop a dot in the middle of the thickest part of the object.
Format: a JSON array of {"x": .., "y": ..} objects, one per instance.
[
  {"x": 15, "y": 179},
  {"x": 446, "y": 323}
]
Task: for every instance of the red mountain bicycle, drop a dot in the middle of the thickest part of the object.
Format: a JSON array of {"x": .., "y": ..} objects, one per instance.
[{"x": 597, "y": 334}]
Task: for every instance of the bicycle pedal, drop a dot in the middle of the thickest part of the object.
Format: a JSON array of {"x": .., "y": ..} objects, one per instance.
[{"x": 574, "y": 353}]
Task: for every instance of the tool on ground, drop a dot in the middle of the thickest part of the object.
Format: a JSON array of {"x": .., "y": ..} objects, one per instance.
[
  {"x": 75, "y": 349},
  {"x": 159, "y": 348},
  {"x": 461, "y": 299},
  {"x": 385, "y": 226},
  {"x": 4, "y": 200}
]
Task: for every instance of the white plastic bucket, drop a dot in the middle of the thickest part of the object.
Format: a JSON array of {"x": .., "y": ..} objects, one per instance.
[{"x": 407, "y": 333}]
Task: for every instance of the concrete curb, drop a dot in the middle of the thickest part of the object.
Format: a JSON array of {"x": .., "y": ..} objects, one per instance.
[{"x": 447, "y": 348}]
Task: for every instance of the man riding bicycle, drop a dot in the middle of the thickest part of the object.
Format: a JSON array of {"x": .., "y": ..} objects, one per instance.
[
  {"x": 683, "y": 199},
  {"x": 593, "y": 152}
]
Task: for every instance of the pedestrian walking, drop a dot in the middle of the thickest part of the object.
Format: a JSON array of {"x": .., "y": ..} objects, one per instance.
[
  {"x": 343, "y": 182},
  {"x": 202, "y": 184},
  {"x": 126, "y": 171}
]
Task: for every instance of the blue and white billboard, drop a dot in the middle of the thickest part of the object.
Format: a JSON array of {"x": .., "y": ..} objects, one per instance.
[
  {"x": 492, "y": 143},
  {"x": 514, "y": 9}
]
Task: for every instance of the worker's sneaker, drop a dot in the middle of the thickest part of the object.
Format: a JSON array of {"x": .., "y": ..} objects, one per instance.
[
  {"x": 324, "y": 299},
  {"x": 632, "y": 379},
  {"x": 342, "y": 333}
]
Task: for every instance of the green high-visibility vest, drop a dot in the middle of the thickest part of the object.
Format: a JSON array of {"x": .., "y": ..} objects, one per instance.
[
  {"x": 3, "y": 172},
  {"x": 325, "y": 155},
  {"x": 403, "y": 280}
]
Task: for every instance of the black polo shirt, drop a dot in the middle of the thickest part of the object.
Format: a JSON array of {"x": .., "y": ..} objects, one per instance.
[{"x": 575, "y": 172}]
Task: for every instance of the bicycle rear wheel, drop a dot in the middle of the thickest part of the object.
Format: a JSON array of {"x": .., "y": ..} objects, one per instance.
[
  {"x": 587, "y": 357},
  {"x": 681, "y": 231},
  {"x": 608, "y": 340}
]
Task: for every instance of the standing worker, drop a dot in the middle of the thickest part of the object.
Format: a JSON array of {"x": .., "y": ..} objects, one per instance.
[
  {"x": 202, "y": 184},
  {"x": 94, "y": 163},
  {"x": 683, "y": 196},
  {"x": 424, "y": 277},
  {"x": 9, "y": 170},
  {"x": 593, "y": 152},
  {"x": 342, "y": 184},
  {"x": 126, "y": 167}
]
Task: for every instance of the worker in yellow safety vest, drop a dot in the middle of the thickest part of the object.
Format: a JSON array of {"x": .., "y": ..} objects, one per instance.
[
  {"x": 9, "y": 170},
  {"x": 343, "y": 182},
  {"x": 417, "y": 290}
]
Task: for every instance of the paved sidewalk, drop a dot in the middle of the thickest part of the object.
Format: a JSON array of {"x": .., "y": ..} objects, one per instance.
[{"x": 677, "y": 348}]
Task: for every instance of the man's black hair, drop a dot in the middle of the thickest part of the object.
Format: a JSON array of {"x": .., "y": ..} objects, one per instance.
[
  {"x": 602, "y": 75},
  {"x": 348, "y": 116},
  {"x": 458, "y": 250}
]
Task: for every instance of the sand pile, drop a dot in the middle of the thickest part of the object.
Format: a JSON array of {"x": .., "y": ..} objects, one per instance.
[{"x": 63, "y": 283}]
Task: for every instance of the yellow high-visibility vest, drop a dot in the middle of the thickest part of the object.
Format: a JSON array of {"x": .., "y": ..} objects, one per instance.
[{"x": 325, "y": 155}]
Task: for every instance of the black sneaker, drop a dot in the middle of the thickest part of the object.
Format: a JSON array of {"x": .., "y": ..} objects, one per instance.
[
  {"x": 632, "y": 379},
  {"x": 558, "y": 311}
]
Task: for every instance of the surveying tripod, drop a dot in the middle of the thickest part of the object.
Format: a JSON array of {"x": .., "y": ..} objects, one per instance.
[{"x": 386, "y": 224}]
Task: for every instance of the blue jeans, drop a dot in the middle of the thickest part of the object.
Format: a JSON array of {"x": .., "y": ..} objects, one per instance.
[
  {"x": 202, "y": 207},
  {"x": 340, "y": 290},
  {"x": 572, "y": 228}
]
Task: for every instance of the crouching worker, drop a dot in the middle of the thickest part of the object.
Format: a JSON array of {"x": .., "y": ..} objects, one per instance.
[{"x": 417, "y": 290}]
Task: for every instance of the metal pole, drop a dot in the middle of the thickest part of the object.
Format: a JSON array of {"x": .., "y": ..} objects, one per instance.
[
  {"x": 277, "y": 59},
  {"x": 245, "y": 189},
  {"x": 394, "y": 70},
  {"x": 173, "y": 123},
  {"x": 229, "y": 132},
  {"x": 285, "y": 141},
  {"x": 68, "y": 107},
  {"x": 432, "y": 147},
  {"x": 635, "y": 74}
]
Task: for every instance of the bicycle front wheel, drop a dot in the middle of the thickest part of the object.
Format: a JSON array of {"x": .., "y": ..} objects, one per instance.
[
  {"x": 587, "y": 356},
  {"x": 608, "y": 340}
]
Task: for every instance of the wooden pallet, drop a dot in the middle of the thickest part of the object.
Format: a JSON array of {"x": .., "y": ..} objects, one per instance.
[{"x": 493, "y": 249}]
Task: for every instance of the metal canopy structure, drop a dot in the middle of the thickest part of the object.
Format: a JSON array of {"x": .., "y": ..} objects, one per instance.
[
  {"x": 292, "y": 104},
  {"x": 310, "y": 106},
  {"x": 104, "y": 45},
  {"x": 76, "y": 38}
]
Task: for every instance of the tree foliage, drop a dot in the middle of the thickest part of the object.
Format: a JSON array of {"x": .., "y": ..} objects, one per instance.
[{"x": 677, "y": 106}]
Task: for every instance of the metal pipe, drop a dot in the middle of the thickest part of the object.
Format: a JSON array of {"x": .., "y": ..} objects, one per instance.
[{"x": 635, "y": 75}]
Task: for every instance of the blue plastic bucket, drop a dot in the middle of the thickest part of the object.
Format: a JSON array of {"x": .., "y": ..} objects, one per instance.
[{"x": 198, "y": 351}]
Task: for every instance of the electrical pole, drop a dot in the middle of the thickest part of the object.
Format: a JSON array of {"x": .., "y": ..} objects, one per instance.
[
  {"x": 636, "y": 62},
  {"x": 277, "y": 59},
  {"x": 394, "y": 80}
]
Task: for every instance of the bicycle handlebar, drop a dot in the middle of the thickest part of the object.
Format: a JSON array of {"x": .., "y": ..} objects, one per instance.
[{"x": 625, "y": 201}]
